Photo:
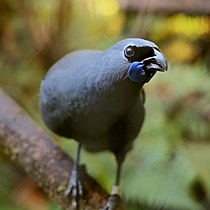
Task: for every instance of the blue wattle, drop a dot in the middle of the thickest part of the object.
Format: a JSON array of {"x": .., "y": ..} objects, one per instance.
[{"x": 136, "y": 72}]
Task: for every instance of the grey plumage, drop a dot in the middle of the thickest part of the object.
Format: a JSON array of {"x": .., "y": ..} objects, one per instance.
[{"x": 87, "y": 95}]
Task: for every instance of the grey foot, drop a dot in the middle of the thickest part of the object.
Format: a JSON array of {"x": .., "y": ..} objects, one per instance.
[
  {"x": 74, "y": 189},
  {"x": 114, "y": 202}
]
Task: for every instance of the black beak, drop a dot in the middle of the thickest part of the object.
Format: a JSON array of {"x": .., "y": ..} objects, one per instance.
[{"x": 156, "y": 62}]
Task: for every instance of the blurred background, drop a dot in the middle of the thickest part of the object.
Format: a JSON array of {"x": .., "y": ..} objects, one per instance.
[{"x": 169, "y": 166}]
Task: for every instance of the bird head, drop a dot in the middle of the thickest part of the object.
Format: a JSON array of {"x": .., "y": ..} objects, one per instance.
[{"x": 142, "y": 58}]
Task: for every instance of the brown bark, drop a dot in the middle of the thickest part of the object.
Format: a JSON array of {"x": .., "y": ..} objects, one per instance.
[
  {"x": 195, "y": 7},
  {"x": 42, "y": 159}
]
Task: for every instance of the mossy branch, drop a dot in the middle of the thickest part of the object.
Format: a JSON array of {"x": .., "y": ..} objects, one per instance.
[{"x": 25, "y": 142}]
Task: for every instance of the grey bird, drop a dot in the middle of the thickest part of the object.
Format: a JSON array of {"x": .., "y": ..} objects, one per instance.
[{"x": 96, "y": 97}]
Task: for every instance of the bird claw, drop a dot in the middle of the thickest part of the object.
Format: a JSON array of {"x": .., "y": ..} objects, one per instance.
[
  {"x": 113, "y": 203},
  {"x": 74, "y": 189}
]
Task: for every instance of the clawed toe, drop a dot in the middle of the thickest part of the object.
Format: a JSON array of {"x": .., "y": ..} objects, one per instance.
[
  {"x": 74, "y": 189},
  {"x": 113, "y": 203}
]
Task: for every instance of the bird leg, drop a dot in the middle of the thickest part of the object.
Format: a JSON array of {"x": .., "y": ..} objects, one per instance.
[
  {"x": 114, "y": 200},
  {"x": 74, "y": 185}
]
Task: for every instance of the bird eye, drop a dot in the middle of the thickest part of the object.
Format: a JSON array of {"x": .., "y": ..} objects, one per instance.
[{"x": 129, "y": 52}]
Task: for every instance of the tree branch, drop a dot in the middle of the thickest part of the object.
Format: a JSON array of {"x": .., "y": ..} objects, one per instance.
[
  {"x": 25, "y": 142},
  {"x": 196, "y": 7}
]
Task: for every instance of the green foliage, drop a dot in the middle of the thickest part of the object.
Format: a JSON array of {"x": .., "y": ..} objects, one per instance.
[{"x": 8, "y": 180}]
